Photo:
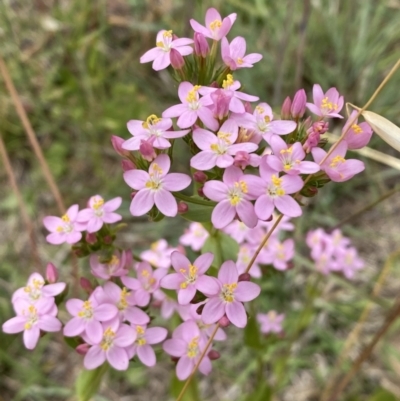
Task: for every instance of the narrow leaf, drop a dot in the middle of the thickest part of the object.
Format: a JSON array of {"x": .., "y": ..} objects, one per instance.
[{"x": 88, "y": 382}]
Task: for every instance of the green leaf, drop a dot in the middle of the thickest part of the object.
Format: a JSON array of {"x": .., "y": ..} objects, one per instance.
[
  {"x": 262, "y": 392},
  {"x": 191, "y": 393},
  {"x": 222, "y": 246},
  {"x": 88, "y": 382},
  {"x": 382, "y": 395},
  {"x": 252, "y": 334},
  {"x": 199, "y": 213}
]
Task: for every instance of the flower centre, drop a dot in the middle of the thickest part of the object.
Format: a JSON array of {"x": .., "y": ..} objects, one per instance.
[
  {"x": 34, "y": 290},
  {"x": 165, "y": 44},
  {"x": 236, "y": 192},
  {"x": 113, "y": 264},
  {"x": 263, "y": 123},
  {"x": 193, "y": 97},
  {"x": 150, "y": 120},
  {"x": 148, "y": 280},
  {"x": 108, "y": 339},
  {"x": 87, "y": 311},
  {"x": 228, "y": 291},
  {"x": 216, "y": 24},
  {"x": 67, "y": 227},
  {"x": 154, "y": 183},
  {"x": 276, "y": 188},
  {"x": 193, "y": 348},
  {"x": 98, "y": 203},
  {"x": 123, "y": 303},
  {"x": 228, "y": 82},
  {"x": 190, "y": 276},
  {"x": 239, "y": 61},
  {"x": 337, "y": 160},
  {"x": 357, "y": 129},
  {"x": 32, "y": 319},
  {"x": 327, "y": 105},
  {"x": 140, "y": 336},
  {"x": 272, "y": 315}
]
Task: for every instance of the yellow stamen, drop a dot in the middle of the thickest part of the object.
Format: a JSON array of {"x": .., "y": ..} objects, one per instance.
[
  {"x": 193, "y": 348},
  {"x": 326, "y": 104},
  {"x": 158, "y": 44},
  {"x": 227, "y": 292},
  {"x": 224, "y": 136},
  {"x": 357, "y": 129},
  {"x": 183, "y": 285},
  {"x": 98, "y": 203},
  {"x": 267, "y": 119},
  {"x": 243, "y": 186},
  {"x": 107, "y": 340},
  {"x": 276, "y": 181},
  {"x": 287, "y": 166},
  {"x": 240, "y": 61},
  {"x": 167, "y": 34},
  {"x": 150, "y": 120},
  {"x": 226, "y": 83},
  {"x": 336, "y": 160},
  {"x": 216, "y": 24},
  {"x": 65, "y": 219},
  {"x": 288, "y": 150},
  {"x": 192, "y": 95},
  {"x": 123, "y": 303},
  {"x": 259, "y": 110}
]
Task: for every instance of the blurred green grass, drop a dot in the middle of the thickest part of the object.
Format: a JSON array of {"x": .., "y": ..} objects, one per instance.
[{"x": 76, "y": 66}]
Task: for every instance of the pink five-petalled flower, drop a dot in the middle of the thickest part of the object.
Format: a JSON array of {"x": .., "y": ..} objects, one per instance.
[
  {"x": 114, "y": 267},
  {"x": 326, "y": 104},
  {"x": 192, "y": 107},
  {"x": 358, "y": 135},
  {"x": 270, "y": 322},
  {"x": 154, "y": 187},
  {"x": 233, "y": 54},
  {"x": 195, "y": 236},
  {"x": 228, "y": 300},
  {"x": 233, "y": 196},
  {"x": 159, "y": 254},
  {"x": 190, "y": 277},
  {"x": 161, "y": 54}
]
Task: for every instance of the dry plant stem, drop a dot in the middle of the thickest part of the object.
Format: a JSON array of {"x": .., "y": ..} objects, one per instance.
[
  {"x": 390, "y": 319},
  {"x": 189, "y": 379},
  {"x": 31, "y": 136},
  {"x": 355, "y": 333},
  {"x": 25, "y": 216}
]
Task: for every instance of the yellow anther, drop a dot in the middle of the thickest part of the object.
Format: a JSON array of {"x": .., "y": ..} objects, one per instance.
[
  {"x": 240, "y": 61},
  {"x": 140, "y": 330},
  {"x": 216, "y": 24},
  {"x": 276, "y": 181},
  {"x": 150, "y": 120},
  {"x": 326, "y": 104},
  {"x": 192, "y": 95},
  {"x": 287, "y": 166},
  {"x": 98, "y": 202},
  {"x": 224, "y": 136},
  {"x": 267, "y": 119},
  {"x": 59, "y": 229},
  {"x": 259, "y": 110},
  {"x": 32, "y": 309},
  {"x": 155, "y": 168},
  {"x": 158, "y": 44},
  {"x": 235, "y": 199},
  {"x": 214, "y": 147},
  {"x": 141, "y": 341},
  {"x": 192, "y": 270},
  {"x": 154, "y": 246},
  {"x": 183, "y": 271},
  {"x": 27, "y": 289},
  {"x": 123, "y": 303},
  {"x": 272, "y": 315},
  {"x": 28, "y": 326},
  {"x": 167, "y": 34},
  {"x": 337, "y": 160},
  {"x": 280, "y": 192},
  {"x": 288, "y": 150},
  {"x": 107, "y": 340},
  {"x": 193, "y": 348},
  {"x": 152, "y": 281},
  {"x": 65, "y": 219},
  {"x": 357, "y": 129},
  {"x": 114, "y": 260},
  {"x": 242, "y": 185},
  {"x": 145, "y": 273},
  {"x": 152, "y": 185},
  {"x": 183, "y": 285},
  {"x": 226, "y": 83}
]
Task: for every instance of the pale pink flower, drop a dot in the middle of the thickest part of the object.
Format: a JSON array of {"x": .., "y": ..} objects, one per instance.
[
  {"x": 154, "y": 128},
  {"x": 195, "y": 236},
  {"x": 228, "y": 300},
  {"x": 349, "y": 262},
  {"x": 279, "y": 253},
  {"x": 192, "y": 107},
  {"x": 289, "y": 158},
  {"x": 243, "y": 159},
  {"x": 270, "y": 322},
  {"x": 358, "y": 135},
  {"x": 326, "y": 104},
  {"x": 335, "y": 166},
  {"x": 233, "y": 54},
  {"x": 31, "y": 319},
  {"x": 218, "y": 150},
  {"x": 159, "y": 254},
  {"x": 216, "y": 27},
  {"x": 145, "y": 337},
  {"x": 65, "y": 228},
  {"x": 155, "y": 187},
  {"x": 167, "y": 305},
  {"x": 241, "y": 233},
  {"x": 276, "y": 193},
  {"x": 187, "y": 345},
  {"x": 147, "y": 283},
  {"x": 114, "y": 267},
  {"x": 190, "y": 277},
  {"x": 246, "y": 252},
  {"x": 161, "y": 54},
  {"x": 262, "y": 122},
  {"x": 114, "y": 339}
]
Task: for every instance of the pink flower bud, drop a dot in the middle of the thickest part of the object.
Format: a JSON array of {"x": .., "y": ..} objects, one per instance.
[
  {"x": 285, "y": 110},
  {"x": 182, "y": 207},
  {"x": 248, "y": 108},
  {"x": 82, "y": 349},
  {"x": 214, "y": 355},
  {"x": 133, "y": 194},
  {"x": 298, "y": 107},
  {"x": 314, "y": 135},
  {"x": 180, "y": 248},
  {"x": 147, "y": 151},
  {"x": 201, "y": 47},
  {"x": 241, "y": 159},
  {"x": 51, "y": 273},
  {"x": 224, "y": 321},
  {"x": 117, "y": 142},
  {"x": 86, "y": 285},
  {"x": 200, "y": 192},
  {"x": 127, "y": 165},
  {"x": 244, "y": 277},
  {"x": 200, "y": 177},
  {"x": 91, "y": 238},
  {"x": 177, "y": 60},
  {"x": 222, "y": 99},
  {"x": 108, "y": 239}
]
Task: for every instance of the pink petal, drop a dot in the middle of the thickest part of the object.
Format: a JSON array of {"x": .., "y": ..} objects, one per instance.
[
  {"x": 213, "y": 310},
  {"x": 146, "y": 355},
  {"x": 117, "y": 358},
  {"x": 175, "y": 111},
  {"x": 74, "y": 306},
  {"x": 166, "y": 203},
  {"x": 125, "y": 336},
  {"x": 94, "y": 331},
  {"x": 228, "y": 273},
  {"x": 175, "y": 347},
  {"x": 236, "y": 314},
  {"x": 318, "y": 154},
  {"x": 14, "y": 325},
  {"x": 94, "y": 358},
  {"x": 245, "y": 211},
  {"x": 176, "y": 181},
  {"x": 161, "y": 61},
  {"x": 94, "y": 225},
  {"x": 288, "y": 206},
  {"x": 187, "y": 119},
  {"x": 111, "y": 218},
  {"x": 181, "y": 42},
  {"x": 211, "y": 15},
  {"x": 204, "y": 160},
  {"x": 163, "y": 161},
  {"x": 232, "y": 175},
  {"x": 136, "y": 179},
  {"x": 203, "y": 138},
  {"x": 318, "y": 94},
  {"x": 52, "y": 222},
  {"x": 215, "y": 190},
  {"x": 223, "y": 214},
  {"x": 281, "y": 127},
  {"x": 31, "y": 337},
  {"x": 136, "y": 316},
  {"x": 74, "y": 327},
  {"x": 184, "y": 367},
  {"x": 142, "y": 202},
  {"x": 264, "y": 207},
  {"x": 199, "y": 28},
  {"x": 205, "y": 366},
  {"x": 49, "y": 323},
  {"x": 247, "y": 291},
  {"x": 185, "y": 295},
  {"x": 155, "y": 335},
  {"x": 179, "y": 261},
  {"x": 203, "y": 262},
  {"x": 207, "y": 117},
  {"x": 224, "y": 161},
  {"x": 113, "y": 204},
  {"x": 172, "y": 281},
  {"x": 151, "y": 55},
  {"x": 105, "y": 312},
  {"x": 209, "y": 286},
  {"x": 51, "y": 290}
]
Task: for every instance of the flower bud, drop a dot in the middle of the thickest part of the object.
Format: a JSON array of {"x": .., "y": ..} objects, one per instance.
[
  {"x": 133, "y": 194},
  {"x": 290, "y": 265},
  {"x": 117, "y": 142},
  {"x": 86, "y": 285},
  {"x": 127, "y": 165},
  {"x": 214, "y": 355},
  {"x": 200, "y": 177},
  {"x": 298, "y": 107},
  {"x": 91, "y": 238},
  {"x": 200, "y": 192},
  {"x": 224, "y": 321},
  {"x": 222, "y": 99},
  {"x": 285, "y": 110},
  {"x": 241, "y": 159},
  {"x": 177, "y": 60},
  {"x": 244, "y": 277},
  {"x": 82, "y": 349},
  {"x": 182, "y": 207},
  {"x": 147, "y": 151},
  {"x": 51, "y": 273},
  {"x": 108, "y": 239},
  {"x": 248, "y": 108},
  {"x": 309, "y": 192},
  {"x": 201, "y": 47}
]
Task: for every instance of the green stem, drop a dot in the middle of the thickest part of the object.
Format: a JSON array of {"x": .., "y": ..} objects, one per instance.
[{"x": 189, "y": 199}]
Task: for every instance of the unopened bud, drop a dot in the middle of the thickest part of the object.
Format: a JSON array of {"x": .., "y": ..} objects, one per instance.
[
  {"x": 86, "y": 285},
  {"x": 290, "y": 265},
  {"x": 51, "y": 273},
  {"x": 214, "y": 355},
  {"x": 201, "y": 47},
  {"x": 108, "y": 239},
  {"x": 117, "y": 142},
  {"x": 224, "y": 321},
  {"x": 221, "y": 99},
  {"x": 82, "y": 349},
  {"x": 298, "y": 107},
  {"x": 309, "y": 191},
  {"x": 200, "y": 192},
  {"x": 147, "y": 151},
  {"x": 241, "y": 159},
  {"x": 244, "y": 277},
  {"x": 174, "y": 359},
  {"x": 200, "y": 177},
  {"x": 127, "y": 165},
  {"x": 133, "y": 194},
  {"x": 91, "y": 238},
  {"x": 285, "y": 110},
  {"x": 182, "y": 207},
  {"x": 177, "y": 60}
]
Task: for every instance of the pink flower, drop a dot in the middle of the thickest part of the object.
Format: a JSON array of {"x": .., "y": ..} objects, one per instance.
[
  {"x": 161, "y": 54},
  {"x": 233, "y": 55},
  {"x": 99, "y": 213},
  {"x": 233, "y": 196},
  {"x": 326, "y": 104},
  {"x": 358, "y": 135},
  {"x": 187, "y": 345},
  {"x": 228, "y": 300},
  {"x": 317, "y": 129},
  {"x": 87, "y": 316},
  {"x": 298, "y": 107},
  {"x": 189, "y": 277},
  {"x": 195, "y": 236},
  {"x": 191, "y": 108},
  {"x": 217, "y": 150},
  {"x": 240, "y": 232},
  {"x": 114, "y": 339},
  {"x": 114, "y": 267},
  {"x": 216, "y": 27},
  {"x": 154, "y": 128},
  {"x": 167, "y": 305},
  {"x": 159, "y": 254},
  {"x": 246, "y": 252},
  {"x": 335, "y": 166},
  {"x": 270, "y": 322},
  {"x": 349, "y": 262},
  {"x": 146, "y": 283},
  {"x": 65, "y": 228},
  {"x": 31, "y": 319},
  {"x": 279, "y": 253},
  {"x": 243, "y": 159},
  {"x": 289, "y": 158},
  {"x": 154, "y": 187},
  {"x": 145, "y": 337},
  {"x": 261, "y": 121},
  {"x": 276, "y": 193}
]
